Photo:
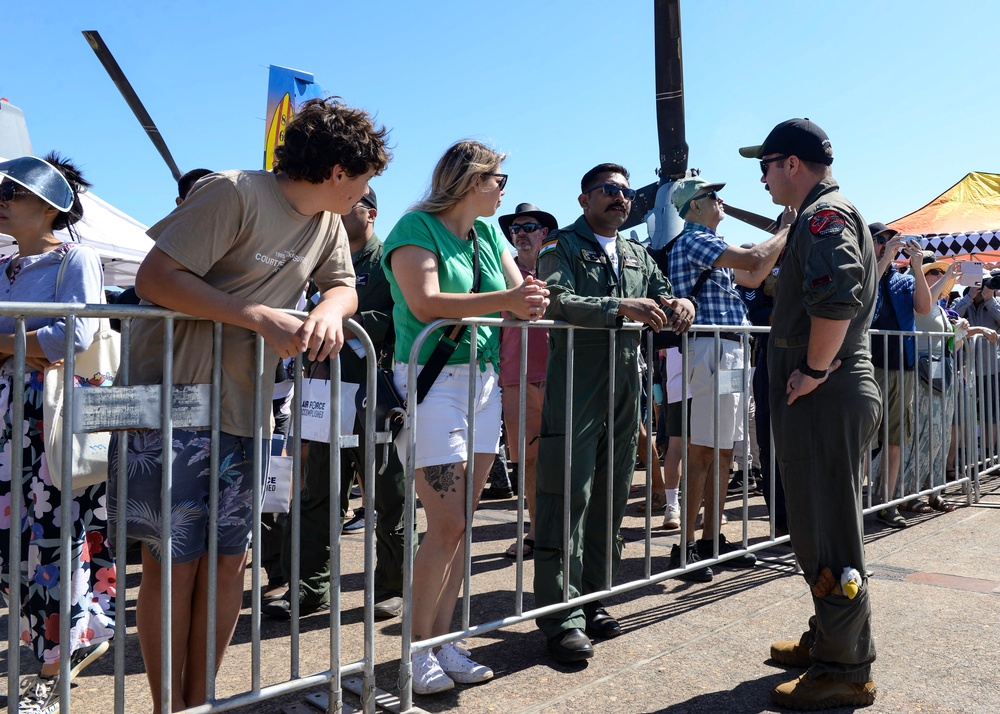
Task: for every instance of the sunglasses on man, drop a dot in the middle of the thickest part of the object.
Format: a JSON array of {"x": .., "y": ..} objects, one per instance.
[
  {"x": 526, "y": 227},
  {"x": 10, "y": 190},
  {"x": 764, "y": 163},
  {"x": 613, "y": 189},
  {"x": 714, "y": 195}
]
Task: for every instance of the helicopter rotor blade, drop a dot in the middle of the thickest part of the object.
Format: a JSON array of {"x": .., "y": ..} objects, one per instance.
[
  {"x": 754, "y": 219},
  {"x": 118, "y": 77},
  {"x": 669, "y": 90}
]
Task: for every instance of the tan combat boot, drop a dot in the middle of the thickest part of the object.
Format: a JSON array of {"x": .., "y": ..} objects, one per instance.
[
  {"x": 792, "y": 653},
  {"x": 807, "y": 694}
]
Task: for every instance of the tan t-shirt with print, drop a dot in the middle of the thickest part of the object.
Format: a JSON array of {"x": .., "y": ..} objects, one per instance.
[{"x": 237, "y": 232}]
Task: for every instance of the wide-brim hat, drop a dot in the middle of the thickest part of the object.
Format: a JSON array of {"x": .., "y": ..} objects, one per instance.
[
  {"x": 41, "y": 178},
  {"x": 527, "y": 209},
  {"x": 943, "y": 267}
]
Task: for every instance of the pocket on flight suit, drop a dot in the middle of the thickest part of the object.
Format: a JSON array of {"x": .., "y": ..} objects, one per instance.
[{"x": 549, "y": 473}]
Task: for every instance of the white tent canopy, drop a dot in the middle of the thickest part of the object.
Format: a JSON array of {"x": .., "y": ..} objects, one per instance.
[{"x": 119, "y": 239}]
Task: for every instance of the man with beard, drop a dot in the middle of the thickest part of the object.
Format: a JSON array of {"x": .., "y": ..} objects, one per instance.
[
  {"x": 825, "y": 404},
  {"x": 597, "y": 279}
]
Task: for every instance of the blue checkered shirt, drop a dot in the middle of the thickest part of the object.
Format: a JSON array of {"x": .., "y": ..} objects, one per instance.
[{"x": 696, "y": 249}]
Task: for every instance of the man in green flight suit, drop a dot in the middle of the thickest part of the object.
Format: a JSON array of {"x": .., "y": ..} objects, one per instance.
[
  {"x": 825, "y": 407},
  {"x": 596, "y": 279}
]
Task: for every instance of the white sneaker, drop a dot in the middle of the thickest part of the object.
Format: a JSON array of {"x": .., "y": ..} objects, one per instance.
[
  {"x": 672, "y": 519},
  {"x": 39, "y": 695},
  {"x": 456, "y": 664},
  {"x": 428, "y": 677}
]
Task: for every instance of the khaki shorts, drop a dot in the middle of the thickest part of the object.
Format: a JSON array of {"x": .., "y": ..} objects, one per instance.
[
  {"x": 704, "y": 360},
  {"x": 534, "y": 394},
  {"x": 891, "y": 383}
]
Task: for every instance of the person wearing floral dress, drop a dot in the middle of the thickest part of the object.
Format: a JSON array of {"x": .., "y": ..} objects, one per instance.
[{"x": 37, "y": 198}]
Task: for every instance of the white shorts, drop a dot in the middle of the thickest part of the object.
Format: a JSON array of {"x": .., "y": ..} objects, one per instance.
[
  {"x": 703, "y": 362},
  {"x": 675, "y": 369},
  {"x": 443, "y": 416}
]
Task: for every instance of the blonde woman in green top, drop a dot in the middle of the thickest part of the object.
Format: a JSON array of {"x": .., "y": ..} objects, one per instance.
[{"x": 428, "y": 260}]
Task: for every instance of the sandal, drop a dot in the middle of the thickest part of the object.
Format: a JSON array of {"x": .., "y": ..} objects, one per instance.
[
  {"x": 529, "y": 549},
  {"x": 937, "y": 503},
  {"x": 659, "y": 503},
  {"x": 915, "y": 506},
  {"x": 890, "y": 516}
]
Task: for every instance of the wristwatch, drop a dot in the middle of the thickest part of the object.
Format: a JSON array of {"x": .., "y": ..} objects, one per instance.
[{"x": 808, "y": 371}]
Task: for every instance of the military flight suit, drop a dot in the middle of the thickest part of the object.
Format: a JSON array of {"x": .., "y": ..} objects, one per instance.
[
  {"x": 585, "y": 291},
  {"x": 375, "y": 306},
  {"x": 829, "y": 271}
]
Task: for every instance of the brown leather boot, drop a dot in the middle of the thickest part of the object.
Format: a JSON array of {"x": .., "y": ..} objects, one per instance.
[
  {"x": 792, "y": 653},
  {"x": 807, "y": 694}
]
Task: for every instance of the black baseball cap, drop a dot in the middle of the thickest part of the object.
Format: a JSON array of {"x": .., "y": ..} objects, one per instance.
[
  {"x": 794, "y": 137},
  {"x": 370, "y": 199},
  {"x": 879, "y": 227}
]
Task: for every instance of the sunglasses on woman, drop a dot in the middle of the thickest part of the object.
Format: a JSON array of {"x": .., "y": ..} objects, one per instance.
[
  {"x": 9, "y": 191},
  {"x": 502, "y": 177}
]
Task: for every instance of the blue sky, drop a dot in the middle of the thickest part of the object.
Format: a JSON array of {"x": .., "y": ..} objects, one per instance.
[{"x": 907, "y": 91}]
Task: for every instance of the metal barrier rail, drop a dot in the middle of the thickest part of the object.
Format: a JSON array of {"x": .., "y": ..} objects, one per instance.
[
  {"x": 966, "y": 397},
  {"x": 167, "y": 407},
  {"x": 976, "y": 455}
]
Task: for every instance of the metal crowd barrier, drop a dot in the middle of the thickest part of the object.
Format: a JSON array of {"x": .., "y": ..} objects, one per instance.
[
  {"x": 976, "y": 455},
  {"x": 950, "y": 420},
  {"x": 972, "y": 459},
  {"x": 169, "y": 406}
]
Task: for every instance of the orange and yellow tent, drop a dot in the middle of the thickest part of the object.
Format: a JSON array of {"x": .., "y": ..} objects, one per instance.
[{"x": 963, "y": 223}]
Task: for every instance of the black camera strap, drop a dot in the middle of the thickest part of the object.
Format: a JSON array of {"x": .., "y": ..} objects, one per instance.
[{"x": 449, "y": 341}]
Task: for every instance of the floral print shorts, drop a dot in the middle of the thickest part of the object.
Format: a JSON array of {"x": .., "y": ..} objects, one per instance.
[{"x": 189, "y": 511}]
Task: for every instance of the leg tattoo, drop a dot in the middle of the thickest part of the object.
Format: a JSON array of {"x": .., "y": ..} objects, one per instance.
[{"x": 441, "y": 478}]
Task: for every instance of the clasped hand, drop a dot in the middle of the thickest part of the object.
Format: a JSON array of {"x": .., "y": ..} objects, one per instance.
[
  {"x": 530, "y": 299},
  {"x": 646, "y": 311}
]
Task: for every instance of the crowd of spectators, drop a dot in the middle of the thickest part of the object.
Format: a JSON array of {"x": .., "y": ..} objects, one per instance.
[{"x": 315, "y": 215}]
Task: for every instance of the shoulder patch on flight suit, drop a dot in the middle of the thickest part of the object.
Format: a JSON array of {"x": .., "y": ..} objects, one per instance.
[
  {"x": 592, "y": 256},
  {"x": 547, "y": 247},
  {"x": 632, "y": 262},
  {"x": 821, "y": 280},
  {"x": 826, "y": 223},
  {"x": 361, "y": 280}
]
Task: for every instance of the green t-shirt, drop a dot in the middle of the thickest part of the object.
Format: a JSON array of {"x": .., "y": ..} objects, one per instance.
[{"x": 455, "y": 275}]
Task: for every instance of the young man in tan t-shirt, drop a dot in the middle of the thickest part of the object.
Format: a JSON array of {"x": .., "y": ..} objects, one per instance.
[{"x": 238, "y": 250}]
